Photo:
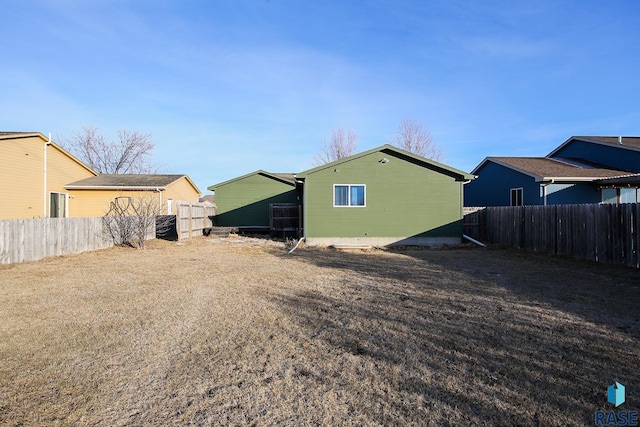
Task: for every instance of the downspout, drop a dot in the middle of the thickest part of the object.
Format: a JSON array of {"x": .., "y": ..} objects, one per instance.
[
  {"x": 305, "y": 223},
  {"x": 296, "y": 246},
  {"x": 160, "y": 199},
  {"x": 462, "y": 184},
  {"x": 544, "y": 191},
  {"x": 44, "y": 196}
]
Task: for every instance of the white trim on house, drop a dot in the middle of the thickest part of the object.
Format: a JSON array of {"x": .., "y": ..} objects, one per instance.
[
  {"x": 364, "y": 186},
  {"x": 517, "y": 190}
]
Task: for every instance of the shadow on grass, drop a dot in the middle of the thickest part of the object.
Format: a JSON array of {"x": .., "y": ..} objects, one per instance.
[{"x": 479, "y": 336}]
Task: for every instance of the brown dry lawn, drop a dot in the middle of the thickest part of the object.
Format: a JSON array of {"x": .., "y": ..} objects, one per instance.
[{"x": 237, "y": 332}]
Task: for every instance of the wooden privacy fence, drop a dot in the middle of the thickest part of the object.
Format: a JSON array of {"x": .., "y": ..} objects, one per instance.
[
  {"x": 285, "y": 218},
  {"x": 37, "y": 238},
  {"x": 600, "y": 232},
  {"x": 192, "y": 218}
]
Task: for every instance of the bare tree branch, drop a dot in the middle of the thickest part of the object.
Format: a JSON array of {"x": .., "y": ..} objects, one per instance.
[
  {"x": 417, "y": 139},
  {"x": 342, "y": 144},
  {"x": 130, "y": 154},
  {"x": 130, "y": 221}
]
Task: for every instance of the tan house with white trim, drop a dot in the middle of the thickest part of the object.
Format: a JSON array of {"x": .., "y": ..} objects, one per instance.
[
  {"x": 39, "y": 178},
  {"x": 93, "y": 195},
  {"x": 33, "y": 173}
]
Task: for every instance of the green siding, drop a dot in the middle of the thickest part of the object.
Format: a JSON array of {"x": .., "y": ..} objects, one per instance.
[
  {"x": 403, "y": 199},
  {"x": 245, "y": 201}
]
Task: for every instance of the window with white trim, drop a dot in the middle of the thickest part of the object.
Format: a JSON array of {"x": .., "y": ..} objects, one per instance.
[
  {"x": 516, "y": 197},
  {"x": 353, "y": 195},
  {"x": 621, "y": 195},
  {"x": 57, "y": 205}
]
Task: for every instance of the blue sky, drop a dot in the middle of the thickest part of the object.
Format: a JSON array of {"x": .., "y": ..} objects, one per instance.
[{"x": 227, "y": 87}]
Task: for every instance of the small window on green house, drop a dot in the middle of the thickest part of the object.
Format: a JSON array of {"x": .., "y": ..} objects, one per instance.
[{"x": 349, "y": 195}]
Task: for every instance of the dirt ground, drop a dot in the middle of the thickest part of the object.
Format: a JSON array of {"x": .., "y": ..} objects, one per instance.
[{"x": 238, "y": 332}]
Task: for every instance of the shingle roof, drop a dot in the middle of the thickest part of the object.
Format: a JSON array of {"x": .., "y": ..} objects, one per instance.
[
  {"x": 543, "y": 167},
  {"x": 126, "y": 181},
  {"x": 16, "y": 133},
  {"x": 12, "y": 135},
  {"x": 287, "y": 178}
]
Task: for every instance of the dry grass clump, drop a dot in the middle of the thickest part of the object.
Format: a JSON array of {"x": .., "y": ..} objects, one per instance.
[{"x": 236, "y": 332}]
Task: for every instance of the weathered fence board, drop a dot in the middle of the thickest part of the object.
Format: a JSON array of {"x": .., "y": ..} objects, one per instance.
[
  {"x": 192, "y": 218},
  {"x": 34, "y": 239},
  {"x": 600, "y": 232},
  {"x": 285, "y": 218}
]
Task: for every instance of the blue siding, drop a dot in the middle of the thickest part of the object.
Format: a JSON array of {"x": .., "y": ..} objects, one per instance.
[
  {"x": 493, "y": 185},
  {"x": 494, "y": 182},
  {"x": 563, "y": 194},
  {"x": 615, "y": 157}
]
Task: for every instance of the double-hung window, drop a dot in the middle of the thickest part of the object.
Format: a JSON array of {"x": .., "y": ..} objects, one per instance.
[
  {"x": 57, "y": 205},
  {"x": 516, "y": 197},
  {"x": 349, "y": 195}
]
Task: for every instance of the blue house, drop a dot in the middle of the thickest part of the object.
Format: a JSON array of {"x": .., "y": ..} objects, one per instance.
[
  {"x": 613, "y": 152},
  {"x": 584, "y": 169}
]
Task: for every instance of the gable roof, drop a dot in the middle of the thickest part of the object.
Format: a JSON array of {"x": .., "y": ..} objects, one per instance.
[
  {"x": 625, "y": 142},
  {"x": 546, "y": 169},
  {"x": 398, "y": 152},
  {"x": 285, "y": 178},
  {"x": 7, "y": 136},
  {"x": 128, "y": 182}
]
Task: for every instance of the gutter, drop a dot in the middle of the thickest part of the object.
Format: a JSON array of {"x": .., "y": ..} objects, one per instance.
[
  {"x": 544, "y": 190},
  {"x": 44, "y": 205},
  {"x": 569, "y": 179}
]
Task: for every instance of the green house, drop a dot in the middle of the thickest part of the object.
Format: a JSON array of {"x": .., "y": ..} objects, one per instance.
[
  {"x": 244, "y": 201},
  {"x": 381, "y": 197}
]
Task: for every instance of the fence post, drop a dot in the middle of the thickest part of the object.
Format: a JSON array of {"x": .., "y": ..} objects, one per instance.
[{"x": 190, "y": 220}]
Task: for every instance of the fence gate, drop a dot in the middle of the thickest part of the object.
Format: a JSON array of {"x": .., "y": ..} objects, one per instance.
[{"x": 285, "y": 219}]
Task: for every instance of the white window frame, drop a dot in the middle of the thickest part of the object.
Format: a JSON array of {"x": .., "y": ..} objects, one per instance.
[
  {"x": 349, "y": 205},
  {"x": 65, "y": 205},
  {"x": 516, "y": 189},
  {"x": 619, "y": 195},
  {"x": 632, "y": 190}
]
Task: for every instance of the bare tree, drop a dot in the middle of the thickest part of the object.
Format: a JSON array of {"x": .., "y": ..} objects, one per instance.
[
  {"x": 417, "y": 139},
  {"x": 131, "y": 153},
  {"x": 342, "y": 144},
  {"x": 130, "y": 221}
]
